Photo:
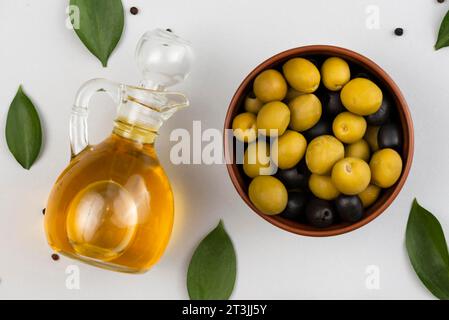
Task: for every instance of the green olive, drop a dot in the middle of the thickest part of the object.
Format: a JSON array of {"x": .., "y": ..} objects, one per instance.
[
  {"x": 273, "y": 119},
  {"x": 288, "y": 149},
  {"x": 369, "y": 195},
  {"x": 322, "y": 153},
  {"x": 268, "y": 194},
  {"x": 257, "y": 161},
  {"x": 351, "y": 176},
  {"x": 361, "y": 96},
  {"x": 371, "y": 137},
  {"x": 302, "y": 75},
  {"x": 336, "y": 73},
  {"x": 349, "y": 127},
  {"x": 252, "y": 104},
  {"x": 244, "y": 127},
  {"x": 305, "y": 112},
  {"x": 270, "y": 85},
  {"x": 322, "y": 187},
  {"x": 359, "y": 149},
  {"x": 386, "y": 167}
]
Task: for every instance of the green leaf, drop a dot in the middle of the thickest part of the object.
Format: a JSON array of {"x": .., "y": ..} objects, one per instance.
[
  {"x": 427, "y": 249},
  {"x": 443, "y": 34},
  {"x": 100, "y": 26},
  {"x": 212, "y": 270},
  {"x": 23, "y": 130}
]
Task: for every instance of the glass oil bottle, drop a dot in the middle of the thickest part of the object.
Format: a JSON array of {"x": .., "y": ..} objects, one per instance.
[{"x": 113, "y": 205}]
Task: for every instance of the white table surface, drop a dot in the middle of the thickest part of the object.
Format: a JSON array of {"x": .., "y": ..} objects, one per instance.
[{"x": 230, "y": 38}]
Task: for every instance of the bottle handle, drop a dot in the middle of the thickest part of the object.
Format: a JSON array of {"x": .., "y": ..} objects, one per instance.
[{"x": 79, "y": 137}]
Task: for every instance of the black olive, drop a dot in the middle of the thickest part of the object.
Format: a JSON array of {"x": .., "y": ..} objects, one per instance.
[
  {"x": 390, "y": 136},
  {"x": 349, "y": 208},
  {"x": 296, "y": 177},
  {"x": 320, "y": 213},
  {"x": 382, "y": 115},
  {"x": 315, "y": 62},
  {"x": 322, "y": 127},
  {"x": 362, "y": 74},
  {"x": 332, "y": 105},
  {"x": 295, "y": 206}
]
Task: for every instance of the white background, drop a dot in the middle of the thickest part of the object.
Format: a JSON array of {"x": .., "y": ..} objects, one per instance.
[{"x": 230, "y": 39}]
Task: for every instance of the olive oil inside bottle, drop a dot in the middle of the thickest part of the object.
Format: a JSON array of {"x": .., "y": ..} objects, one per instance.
[{"x": 113, "y": 206}]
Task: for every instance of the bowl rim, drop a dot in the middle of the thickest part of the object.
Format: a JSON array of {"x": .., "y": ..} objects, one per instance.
[{"x": 366, "y": 63}]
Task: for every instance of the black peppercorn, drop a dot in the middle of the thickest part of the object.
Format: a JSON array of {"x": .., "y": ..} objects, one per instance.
[
  {"x": 43, "y": 211},
  {"x": 399, "y": 31},
  {"x": 134, "y": 11},
  {"x": 168, "y": 30},
  {"x": 440, "y": 1},
  {"x": 55, "y": 257}
]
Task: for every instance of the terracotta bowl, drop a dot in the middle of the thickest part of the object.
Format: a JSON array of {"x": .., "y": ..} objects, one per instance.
[{"x": 362, "y": 64}]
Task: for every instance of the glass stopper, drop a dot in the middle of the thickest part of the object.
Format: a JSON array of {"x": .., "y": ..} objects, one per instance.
[{"x": 163, "y": 58}]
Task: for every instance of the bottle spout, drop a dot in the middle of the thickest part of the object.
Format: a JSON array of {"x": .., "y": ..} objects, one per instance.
[
  {"x": 176, "y": 101},
  {"x": 165, "y": 103},
  {"x": 149, "y": 109}
]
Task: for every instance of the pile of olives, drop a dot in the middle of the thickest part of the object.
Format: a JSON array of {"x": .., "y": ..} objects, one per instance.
[{"x": 336, "y": 141}]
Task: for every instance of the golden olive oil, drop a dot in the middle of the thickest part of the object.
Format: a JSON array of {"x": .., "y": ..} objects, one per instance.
[{"x": 113, "y": 206}]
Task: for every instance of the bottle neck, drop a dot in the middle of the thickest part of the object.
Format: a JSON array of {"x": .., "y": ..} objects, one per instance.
[
  {"x": 137, "y": 122},
  {"x": 134, "y": 132}
]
